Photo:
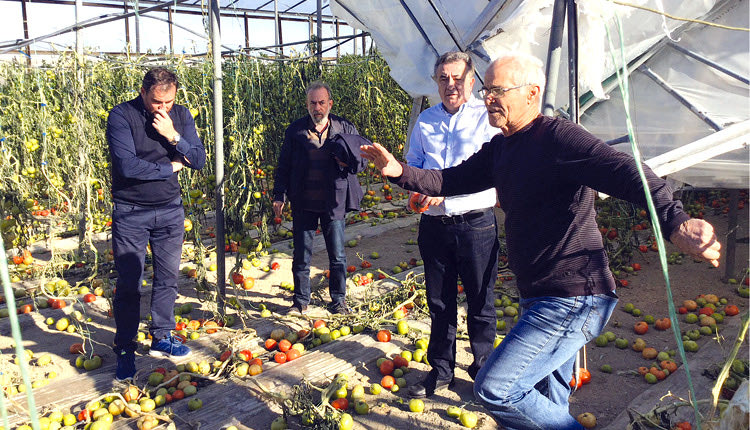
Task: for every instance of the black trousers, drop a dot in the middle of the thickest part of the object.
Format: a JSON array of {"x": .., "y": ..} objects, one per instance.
[{"x": 465, "y": 247}]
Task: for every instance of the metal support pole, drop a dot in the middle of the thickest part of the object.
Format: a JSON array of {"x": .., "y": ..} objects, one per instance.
[
  {"x": 553, "y": 56},
  {"x": 320, "y": 31},
  {"x": 219, "y": 151},
  {"x": 573, "y": 61},
  {"x": 277, "y": 26},
  {"x": 731, "y": 241},
  {"x": 338, "y": 47},
  {"x": 26, "y": 30},
  {"x": 137, "y": 29},
  {"x": 247, "y": 32},
  {"x": 170, "y": 16},
  {"x": 79, "y": 40},
  {"x": 127, "y": 24}
]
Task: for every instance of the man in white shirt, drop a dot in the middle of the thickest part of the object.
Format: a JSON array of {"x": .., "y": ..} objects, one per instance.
[{"x": 457, "y": 235}]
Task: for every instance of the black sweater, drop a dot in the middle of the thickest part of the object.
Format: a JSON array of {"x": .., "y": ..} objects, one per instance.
[{"x": 545, "y": 176}]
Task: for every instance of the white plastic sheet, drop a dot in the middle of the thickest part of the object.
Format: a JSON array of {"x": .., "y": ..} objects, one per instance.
[{"x": 661, "y": 122}]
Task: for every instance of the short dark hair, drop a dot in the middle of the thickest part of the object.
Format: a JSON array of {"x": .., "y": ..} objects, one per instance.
[
  {"x": 318, "y": 85},
  {"x": 158, "y": 77},
  {"x": 453, "y": 57}
]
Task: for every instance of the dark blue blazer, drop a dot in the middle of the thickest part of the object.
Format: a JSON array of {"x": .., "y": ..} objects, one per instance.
[{"x": 343, "y": 142}]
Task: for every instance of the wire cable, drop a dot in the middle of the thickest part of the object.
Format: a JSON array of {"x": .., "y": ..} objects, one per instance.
[{"x": 622, "y": 79}]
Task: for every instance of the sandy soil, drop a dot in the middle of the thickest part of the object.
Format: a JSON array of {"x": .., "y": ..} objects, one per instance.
[{"x": 394, "y": 242}]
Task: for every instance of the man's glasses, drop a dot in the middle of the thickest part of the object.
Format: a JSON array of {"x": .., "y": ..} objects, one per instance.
[{"x": 497, "y": 92}]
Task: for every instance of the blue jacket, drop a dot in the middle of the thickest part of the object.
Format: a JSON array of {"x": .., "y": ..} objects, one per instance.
[{"x": 345, "y": 193}]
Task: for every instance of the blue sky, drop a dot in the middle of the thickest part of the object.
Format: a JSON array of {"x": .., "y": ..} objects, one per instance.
[{"x": 154, "y": 34}]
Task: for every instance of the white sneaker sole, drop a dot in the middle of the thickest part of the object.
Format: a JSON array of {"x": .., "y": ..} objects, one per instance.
[{"x": 154, "y": 353}]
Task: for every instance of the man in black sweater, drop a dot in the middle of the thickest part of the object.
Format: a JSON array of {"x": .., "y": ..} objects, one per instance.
[
  {"x": 150, "y": 140},
  {"x": 545, "y": 171}
]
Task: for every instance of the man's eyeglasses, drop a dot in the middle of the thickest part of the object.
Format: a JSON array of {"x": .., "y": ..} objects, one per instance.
[{"x": 497, "y": 92}]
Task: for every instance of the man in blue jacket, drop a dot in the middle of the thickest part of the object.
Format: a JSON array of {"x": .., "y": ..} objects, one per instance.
[
  {"x": 150, "y": 140},
  {"x": 321, "y": 188}
]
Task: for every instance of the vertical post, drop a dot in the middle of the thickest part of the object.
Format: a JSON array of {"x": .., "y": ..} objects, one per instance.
[
  {"x": 553, "y": 56},
  {"x": 320, "y": 31},
  {"x": 137, "y": 29},
  {"x": 731, "y": 241},
  {"x": 338, "y": 47},
  {"x": 364, "y": 44},
  {"x": 277, "y": 27},
  {"x": 281, "y": 38},
  {"x": 170, "y": 16},
  {"x": 417, "y": 105},
  {"x": 215, "y": 17},
  {"x": 26, "y": 31},
  {"x": 247, "y": 32},
  {"x": 127, "y": 24},
  {"x": 573, "y": 60},
  {"x": 79, "y": 40}
]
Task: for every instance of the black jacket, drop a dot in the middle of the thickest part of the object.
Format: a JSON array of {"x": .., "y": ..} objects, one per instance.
[{"x": 345, "y": 192}]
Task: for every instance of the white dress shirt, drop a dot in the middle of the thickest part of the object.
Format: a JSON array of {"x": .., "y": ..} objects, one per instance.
[{"x": 440, "y": 140}]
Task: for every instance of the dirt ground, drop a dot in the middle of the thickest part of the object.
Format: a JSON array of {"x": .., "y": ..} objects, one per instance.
[{"x": 607, "y": 396}]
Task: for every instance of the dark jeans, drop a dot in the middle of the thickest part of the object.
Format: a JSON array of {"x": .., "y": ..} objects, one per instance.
[
  {"x": 133, "y": 227},
  {"x": 469, "y": 250},
  {"x": 304, "y": 225}
]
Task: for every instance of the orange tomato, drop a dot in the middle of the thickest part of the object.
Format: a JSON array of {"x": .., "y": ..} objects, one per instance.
[
  {"x": 663, "y": 324},
  {"x": 387, "y": 382},
  {"x": 731, "y": 310},
  {"x": 280, "y": 357},
  {"x": 292, "y": 354},
  {"x": 248, "y": 283},
  {"x": 384, "y": 336},
  {"x": 271, "y": 344},
  {"x": 319, "y": 324},
  {"x": 284, "y": 345},
  {"x": 641, "y": 327}
]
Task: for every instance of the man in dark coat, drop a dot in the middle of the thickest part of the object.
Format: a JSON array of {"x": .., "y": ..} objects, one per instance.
[{"x": 322, "y": 187}]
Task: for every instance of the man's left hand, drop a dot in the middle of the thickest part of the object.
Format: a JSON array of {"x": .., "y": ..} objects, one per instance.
[
  {"x": 697, "y": 238},
  {"x": 163, "y": 125}
]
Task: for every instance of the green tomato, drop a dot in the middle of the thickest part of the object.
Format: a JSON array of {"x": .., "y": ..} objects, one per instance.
[{"x": 416, "y": 405}]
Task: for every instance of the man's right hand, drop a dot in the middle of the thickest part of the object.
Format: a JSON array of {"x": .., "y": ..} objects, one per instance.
[
  {"x": 278, "y": 206},
  {"x": 177, "y": 166},
  {"x": 384, "y": 160}
]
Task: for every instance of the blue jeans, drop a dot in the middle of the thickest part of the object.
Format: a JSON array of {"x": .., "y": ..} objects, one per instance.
[
  {"x": 525, "y": 382},
  {"x": 469, "y": 250},
  {"x": 133, "y": 227},
  {"x": 304, "y": 225}
]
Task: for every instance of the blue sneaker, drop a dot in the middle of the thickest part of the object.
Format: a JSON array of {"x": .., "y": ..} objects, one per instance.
[
  {"x": 125, "y": 366},
  {"x": 168, "y": 347}
]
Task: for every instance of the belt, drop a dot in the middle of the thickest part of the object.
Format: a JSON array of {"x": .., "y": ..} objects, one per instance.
[{"x": 457, "y": 219}]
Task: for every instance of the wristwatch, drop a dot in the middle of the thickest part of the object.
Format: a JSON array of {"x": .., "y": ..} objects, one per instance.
[{"x": 176, "y": 139}]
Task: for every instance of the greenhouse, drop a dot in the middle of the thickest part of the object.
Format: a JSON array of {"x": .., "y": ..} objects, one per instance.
[{"x": 667, "y": 82}]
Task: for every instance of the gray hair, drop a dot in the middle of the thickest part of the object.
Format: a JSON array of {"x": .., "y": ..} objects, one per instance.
[
  {"x": 316, "y": 85},
  {"x": 529, "y": 70},
  {"x": 454, "y": 57}
]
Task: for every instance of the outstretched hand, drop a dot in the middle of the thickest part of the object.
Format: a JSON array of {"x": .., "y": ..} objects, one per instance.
[
  {"x": 697, "y": 238},
  {"x": 384, "y": 160}
]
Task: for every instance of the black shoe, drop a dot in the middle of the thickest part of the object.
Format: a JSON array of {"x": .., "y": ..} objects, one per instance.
[
  {"x": 472, "y": 371},
  {"x": 339, "y": 308},
  {"x": 125, "y": 366},
  {"x": 430, "y": 386}
]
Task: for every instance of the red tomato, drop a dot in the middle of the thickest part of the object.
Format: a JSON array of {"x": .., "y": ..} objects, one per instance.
[
  {"x": 275, "y": 266},
  {"x": 636, "y": 266},
  {"x": 280, "y": 357},
  {"x": 88, "y": 298},
  {"x": 340, "y": 404},
  {"x": 351, "y": 269}
]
